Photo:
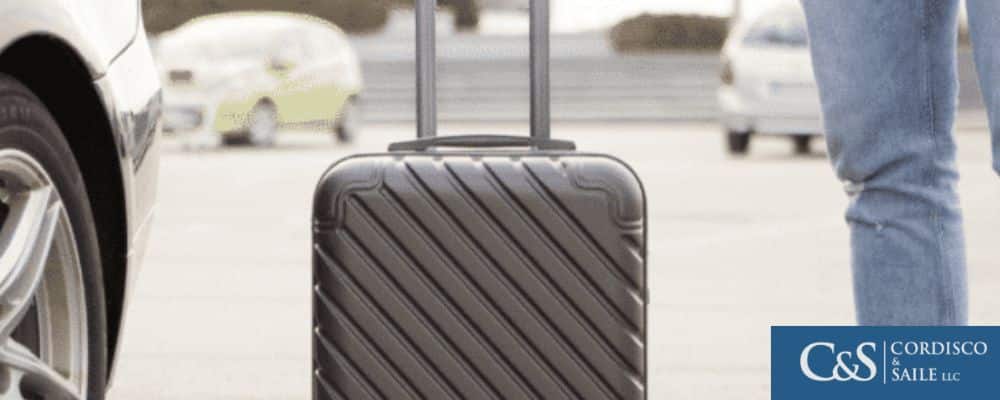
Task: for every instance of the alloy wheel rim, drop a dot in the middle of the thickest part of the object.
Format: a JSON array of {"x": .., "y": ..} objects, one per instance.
[{"x": 40, "y": 273}]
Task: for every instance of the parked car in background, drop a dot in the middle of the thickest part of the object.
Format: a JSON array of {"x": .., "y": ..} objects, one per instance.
[
  {"x": 79, "y": 110},
  {"x": 767, "y": 81},
  {"x": 244, "y": 75}
]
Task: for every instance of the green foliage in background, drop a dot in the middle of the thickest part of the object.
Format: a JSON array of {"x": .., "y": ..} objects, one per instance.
[
  {"x": 354, "y": 16},
  {"x": 350, "y": 15},
  {"x": 466, "y": 11},
  {"x": 649, "y": 32}
]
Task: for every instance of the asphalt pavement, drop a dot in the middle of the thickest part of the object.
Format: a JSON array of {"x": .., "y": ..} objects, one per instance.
[{"x": 221, "y": 310}]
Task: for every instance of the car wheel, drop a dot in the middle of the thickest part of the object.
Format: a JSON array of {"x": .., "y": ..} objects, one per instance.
[
  {"x": 53, "y": 337},
  {"x": 262, "y": 124},
  {"x": 738, "y": 143},
  {"x": 803, "y": 144},
  {"x": 348, "y": 121}
]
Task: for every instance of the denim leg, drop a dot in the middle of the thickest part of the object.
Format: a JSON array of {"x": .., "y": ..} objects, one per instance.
[
  {"x": 887, "y": 78},
  {"x": 984, "y": 25}
]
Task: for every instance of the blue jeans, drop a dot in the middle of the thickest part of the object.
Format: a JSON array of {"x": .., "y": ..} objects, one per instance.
[{"x": 887, "y": 78}]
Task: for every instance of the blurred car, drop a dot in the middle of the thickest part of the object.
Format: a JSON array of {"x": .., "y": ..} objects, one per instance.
[
  {"x": 79, "y": 116},
  {"x": 767, "y": 81},
  {"x": 244, "y": 75}
]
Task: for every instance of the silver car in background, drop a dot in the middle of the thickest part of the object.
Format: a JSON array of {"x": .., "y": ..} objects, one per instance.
[
  {"x": 768, "y": 86},
  {"x": 79, "y": 112}
]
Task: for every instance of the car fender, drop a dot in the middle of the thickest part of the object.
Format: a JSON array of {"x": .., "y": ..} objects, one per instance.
[{"x": 99, "y": 30}]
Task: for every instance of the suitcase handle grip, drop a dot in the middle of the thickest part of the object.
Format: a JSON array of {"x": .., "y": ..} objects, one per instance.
[{"x": 483, "y": 141}]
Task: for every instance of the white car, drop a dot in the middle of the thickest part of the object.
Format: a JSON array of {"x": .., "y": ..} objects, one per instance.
[
  {"x": 79, "y": 158},
  {"x": 768, "y": 86},
  {"x": 244, "y": 74}
]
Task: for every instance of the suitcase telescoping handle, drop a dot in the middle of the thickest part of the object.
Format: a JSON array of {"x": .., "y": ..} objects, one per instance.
[{"x": 427, "y": 92}]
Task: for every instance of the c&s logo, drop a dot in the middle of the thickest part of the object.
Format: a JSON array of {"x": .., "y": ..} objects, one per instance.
[
  {"x": 861, "y": 363},
  {"x": 847, "y": 366}
]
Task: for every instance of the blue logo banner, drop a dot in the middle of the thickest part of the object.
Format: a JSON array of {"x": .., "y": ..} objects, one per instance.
[{"x": 885, "y": 363}]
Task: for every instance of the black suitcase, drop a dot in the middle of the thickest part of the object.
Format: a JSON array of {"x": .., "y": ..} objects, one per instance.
[{"x": 480, "y": 267}]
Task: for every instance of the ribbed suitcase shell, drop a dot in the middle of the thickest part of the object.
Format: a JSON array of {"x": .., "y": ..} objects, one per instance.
[{"x": 483, "y": 275}]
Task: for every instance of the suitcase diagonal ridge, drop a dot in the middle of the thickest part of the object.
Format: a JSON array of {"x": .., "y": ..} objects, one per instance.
[
  {"x": 573, "y": 221},
  {"x": 391, "y": 327},
  {"x": 580, "y": 233},
  {"x": 526, "y": 307},
  {"x": 570, "y": 308},
  {"x": 479, "y": 275},
  {"x": 421, "y": 273},
  {"x": 355, "y": 332},
  {"x": 497, "y": 312},
  {"x": 535, "y": 310},
  {"x": 575, "y": 269},
  {"x": 430, "y": 243},
  {"x": 330, "y": 391},
  {"x": 348, "y": 367},
  {"x": 437, "y": 335}
]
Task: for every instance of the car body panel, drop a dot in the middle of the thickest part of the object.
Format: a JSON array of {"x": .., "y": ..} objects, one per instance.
[
  {"x": 133, "y": 100},
  {"x": 108, "y": 37},
  {"x": 134, "y": 103},
  {"x": 296, "y": 101},
  {"x": 773, "y": 89},
  {"x": 318, "y": 72},
  {"x": 98, "y": 30}
]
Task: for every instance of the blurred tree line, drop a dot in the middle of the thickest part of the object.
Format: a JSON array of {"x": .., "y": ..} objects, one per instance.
[
  {"x": 646, "y": 32},
  {"x": 651, "y": 32},
  {"x": 466, "y": 11},
  {"x": 355, "y": 16},
  {"x": 663, "y": 32}
]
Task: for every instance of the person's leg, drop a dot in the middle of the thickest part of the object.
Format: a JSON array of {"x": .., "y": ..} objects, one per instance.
[
  {"x": 984, "y": 25},
  {"x": 888, "y": 84}
]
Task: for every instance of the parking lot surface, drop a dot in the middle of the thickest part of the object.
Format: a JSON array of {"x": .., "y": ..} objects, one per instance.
[{"x": 222, "y": 305}]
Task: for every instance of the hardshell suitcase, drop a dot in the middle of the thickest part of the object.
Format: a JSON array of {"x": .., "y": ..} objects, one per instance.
[{"x": 480, "y": 267}]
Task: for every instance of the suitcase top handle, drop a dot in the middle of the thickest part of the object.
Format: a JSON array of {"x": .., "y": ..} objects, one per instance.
[
  {"x": 483, "y": 142},
  {"x": 427, "y": 79}
]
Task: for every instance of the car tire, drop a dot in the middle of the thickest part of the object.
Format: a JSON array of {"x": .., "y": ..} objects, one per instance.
[
  {"x": 44, "y": 190},
  {"x": 738, "y": 143},
  {"x": 235, "y": 138},
  {"x": 803, "y": 144},
  {"x": 348, "y": 121},
  {"x": 260, "y": 130},
  {"x": 262, "y": 124}
]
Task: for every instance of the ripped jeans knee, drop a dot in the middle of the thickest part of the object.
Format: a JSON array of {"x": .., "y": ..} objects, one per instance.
[{"x": 856, "y": 214}]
